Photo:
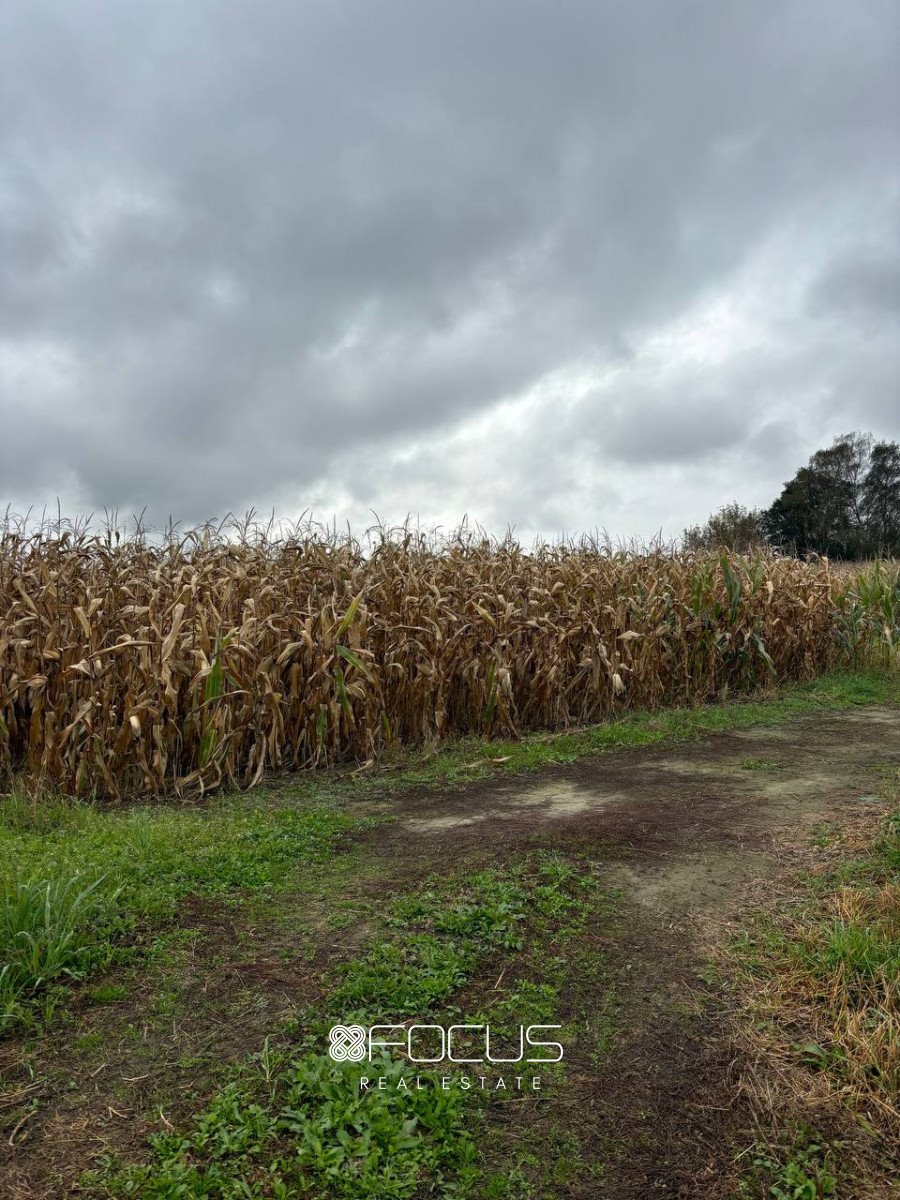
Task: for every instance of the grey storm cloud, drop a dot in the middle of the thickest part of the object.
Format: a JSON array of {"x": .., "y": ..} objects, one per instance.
[
  {"x": 555, "y": 265},
  {"x": 661, "y": 431},
  {"x": 868, "y": 286}
]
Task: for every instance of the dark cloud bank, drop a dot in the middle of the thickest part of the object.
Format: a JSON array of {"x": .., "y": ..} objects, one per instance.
[{"x": 556, "y": 265}]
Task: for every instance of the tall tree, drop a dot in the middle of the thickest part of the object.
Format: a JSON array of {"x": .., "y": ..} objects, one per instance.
[
  {"x": 843, "y": 467},
  {"x": 810, "y": 515},
  {"x": 828, "y": 506},
  {"x": 881, "y": 499}
]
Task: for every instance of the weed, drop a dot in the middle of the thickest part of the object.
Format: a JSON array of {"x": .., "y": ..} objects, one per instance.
[
  {"x": 49, "y": 929},
  {"x": 799, "y": 1172},
  {"x": 761, "y": 764}
]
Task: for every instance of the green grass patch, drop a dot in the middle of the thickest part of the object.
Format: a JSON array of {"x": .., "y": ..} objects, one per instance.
[
  {"x": 47, "y": 934},
  {"x": 86, "y": 886},
  {"x": 319, "y": 1135},
  {"x": 293, "y": 1123},
  {"x": 859, "y": 952},
  {"x": 760, "y": 764}
]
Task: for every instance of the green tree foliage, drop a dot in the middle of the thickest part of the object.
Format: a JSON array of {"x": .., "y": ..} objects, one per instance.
[
  {"x": 881, "y": 498},
  {"x": 844, "y": 503},
  {"x": 805, "y": 517},
  {"x": 733, "y": 527}
]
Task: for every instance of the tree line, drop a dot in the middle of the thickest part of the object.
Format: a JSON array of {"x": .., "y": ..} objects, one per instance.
[{"x": 844, "y": 503}]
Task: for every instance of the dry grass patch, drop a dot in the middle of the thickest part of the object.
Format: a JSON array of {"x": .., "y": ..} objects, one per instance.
[{"x": 819, "y": 1024}]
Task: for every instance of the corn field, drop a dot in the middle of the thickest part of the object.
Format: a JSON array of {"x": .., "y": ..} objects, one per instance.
[{"x": 131, "y": 667}]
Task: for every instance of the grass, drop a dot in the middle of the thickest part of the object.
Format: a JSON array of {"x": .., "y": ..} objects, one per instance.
[
  {"x": 89, "y": 886},
  {"x": 142, "y": 861},
  {"x": 45, "y": 934},
  {"x": 820, "y": 982},
  {"x": 294, "y": 1123}
]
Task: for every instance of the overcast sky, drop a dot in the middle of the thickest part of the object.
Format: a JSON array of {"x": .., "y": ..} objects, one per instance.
[{"x": 557, "y": 264}]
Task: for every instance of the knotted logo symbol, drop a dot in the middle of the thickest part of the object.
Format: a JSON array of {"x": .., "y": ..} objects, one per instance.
[{"x": 348, "y": 1043}]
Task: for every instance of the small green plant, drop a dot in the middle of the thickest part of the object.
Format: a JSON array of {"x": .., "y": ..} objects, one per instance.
[
  {"x": 760, "y": 764},
  {"x": 49, "y": 928},
  {"x": 801, "y": 1173},
  {"x": 329, "y": 1136},
  {"x": 109, "y": 993},
  {"x": 402, "y": 980}
]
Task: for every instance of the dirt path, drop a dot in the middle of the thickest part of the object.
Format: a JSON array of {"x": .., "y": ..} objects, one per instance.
[
  {"x": 691, "y": 839},
  {"x": 688, "y": 837},
  {"x": 685, "y": 826}
]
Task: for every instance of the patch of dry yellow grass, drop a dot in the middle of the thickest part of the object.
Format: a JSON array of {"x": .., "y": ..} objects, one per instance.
[{"x": 818, "y": 1022}]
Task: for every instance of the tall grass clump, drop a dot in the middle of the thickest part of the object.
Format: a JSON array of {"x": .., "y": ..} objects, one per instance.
[
  {"x": 48, "y": 930},
  {"x": 133, "y": 666}
]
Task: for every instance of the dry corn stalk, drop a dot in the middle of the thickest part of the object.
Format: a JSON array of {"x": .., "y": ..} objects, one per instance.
[{"x": 128, "y": 667}]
